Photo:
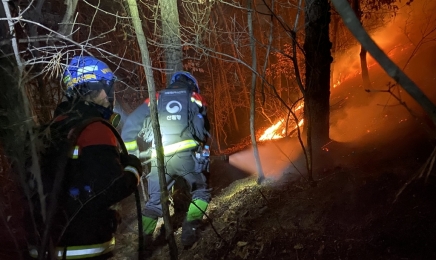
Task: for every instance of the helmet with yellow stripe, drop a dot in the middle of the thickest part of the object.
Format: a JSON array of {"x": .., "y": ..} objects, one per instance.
[{"x": 86, "y": 74}]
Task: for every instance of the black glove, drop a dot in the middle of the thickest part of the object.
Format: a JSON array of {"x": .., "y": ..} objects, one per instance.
[{"x": 131, "y": 160}]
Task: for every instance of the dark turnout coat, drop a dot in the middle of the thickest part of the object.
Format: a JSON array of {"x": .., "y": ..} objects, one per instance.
[{"x": 94, "y": 180}]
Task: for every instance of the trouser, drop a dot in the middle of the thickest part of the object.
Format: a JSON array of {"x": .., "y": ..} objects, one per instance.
[
  {"x": 87, "y": 235},
  {"x": 181, "y": 165}
]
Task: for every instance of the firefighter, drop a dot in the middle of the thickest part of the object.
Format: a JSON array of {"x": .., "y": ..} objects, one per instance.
[
  {"x": 96, "y": 175},
  {"x": 184, "y": 128}
]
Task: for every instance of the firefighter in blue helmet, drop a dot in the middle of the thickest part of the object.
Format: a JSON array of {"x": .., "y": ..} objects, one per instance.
[
  {"x": 184, "y": 128},
  {"x": 96, "y": 175}
]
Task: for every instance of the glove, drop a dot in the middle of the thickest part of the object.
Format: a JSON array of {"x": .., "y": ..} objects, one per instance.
[
  {"x": 134, "y": 152},
  {"x": 131, "y": 164}
]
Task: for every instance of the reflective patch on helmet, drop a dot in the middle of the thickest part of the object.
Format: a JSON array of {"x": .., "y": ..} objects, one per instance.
[
  {"x": 81, "y": 79},
  {"x": 66, "y": 79},
  {"x": 87, "y": 69},
  {"x": 106, "y": 70}
]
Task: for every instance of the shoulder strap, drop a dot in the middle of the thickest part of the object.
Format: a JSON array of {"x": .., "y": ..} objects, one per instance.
[{"x": 60, "y": 173}]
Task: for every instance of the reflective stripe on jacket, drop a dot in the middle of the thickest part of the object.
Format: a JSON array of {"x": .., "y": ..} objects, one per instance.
[
  {"x": 177, "y": 147},
  {"x": 79, "y": 252}
]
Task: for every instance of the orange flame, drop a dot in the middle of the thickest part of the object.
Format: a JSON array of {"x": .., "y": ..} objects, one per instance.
[
  {"x": 271, "y": 133},
  {"x": 275, "y": 132},
  {"x": 278, "y": 130}
]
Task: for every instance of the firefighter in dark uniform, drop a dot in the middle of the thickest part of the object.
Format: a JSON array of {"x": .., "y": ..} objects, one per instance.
[
  {"x": 97, "y": 176},
  {"x": 181, "y": 140}
]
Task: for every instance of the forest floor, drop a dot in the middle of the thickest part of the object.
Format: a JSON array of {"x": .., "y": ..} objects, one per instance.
[{"x": 369, "y": 203}]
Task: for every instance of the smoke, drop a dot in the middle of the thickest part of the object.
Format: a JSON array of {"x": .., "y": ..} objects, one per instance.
[
  {"x": 276, "y": 156},
  {"x": 410, "y": 41},
  {"x": 357, "y": 114}
]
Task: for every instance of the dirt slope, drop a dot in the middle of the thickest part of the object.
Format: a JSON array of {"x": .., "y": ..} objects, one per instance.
[{"x": 353, "y": 213}]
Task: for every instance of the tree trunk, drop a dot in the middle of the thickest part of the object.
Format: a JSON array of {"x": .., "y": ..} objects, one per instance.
[
  {"x": 362, "y": 55},
  {"x": 155, "y": 124},
  {"x": 335, "y": 23},
  {"x": 171, "y": 37},
  {"x": 222, "y": 79},
  {"x": 239, "y": 72},
  {"x": 261, "y": 176},
  {"x": 66, "y": 26},
  {"x": 318, "y": 59}
]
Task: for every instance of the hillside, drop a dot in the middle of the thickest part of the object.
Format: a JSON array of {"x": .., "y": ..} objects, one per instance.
[
  {"x": 374, "y": 197},
  {"x": 353, "y": 213}
]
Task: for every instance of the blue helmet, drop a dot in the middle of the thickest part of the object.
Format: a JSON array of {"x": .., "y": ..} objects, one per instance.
[
  {"x": 176, "y": 76},
  {"x": 86, "y": 69}
]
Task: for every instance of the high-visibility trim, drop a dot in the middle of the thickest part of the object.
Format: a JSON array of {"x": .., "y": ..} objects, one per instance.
[
  {"x": 79, "y": 252},
  {"x": 75, "y": 153},
  {"x": 197, "y": 101},
  {"x": 131, "y": 146},
  {"x": 134, "y": 171},
  {"x": 177, "y": 147},
  {"x": 148, "y": 225},
  {"x": 196, "y": 209}
]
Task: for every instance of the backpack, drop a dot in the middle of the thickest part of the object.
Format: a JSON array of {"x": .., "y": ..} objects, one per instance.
[
  {"x": 180, "y": 118},
  {"x": 58, "y": 173}
]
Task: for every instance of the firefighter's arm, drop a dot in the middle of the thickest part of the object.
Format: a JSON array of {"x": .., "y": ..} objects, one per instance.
[{"x": 132, "y": 126}]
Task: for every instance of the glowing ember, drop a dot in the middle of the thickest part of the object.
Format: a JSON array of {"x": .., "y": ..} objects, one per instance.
[{"x": 338, "y": 82}]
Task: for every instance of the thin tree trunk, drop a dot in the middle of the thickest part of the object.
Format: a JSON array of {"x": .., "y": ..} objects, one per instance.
[
  {"x": 364, "y": 68},
  {"x": 155, "y": 124},
  {"x": 363, "y": 62},
  {"x": 41, "y": 91},
  {"x": 277, "y": 39},
  {"x": 261, "y": 176},
  {"x": 21, "y": 126},
  {"x": 238, "y": 67},
  {"x": 215, "y": 114},
  {"x": 224, "y": 82},
  {"x": 66, "y": 26}
]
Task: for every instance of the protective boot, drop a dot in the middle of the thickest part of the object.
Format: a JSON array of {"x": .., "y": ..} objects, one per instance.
[
  {"x": 148, "y": 226},
  {"x": 192, "y": 222}
]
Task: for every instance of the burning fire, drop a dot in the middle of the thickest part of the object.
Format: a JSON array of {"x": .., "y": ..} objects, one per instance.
[
  {"x": 278, "y": 130},
  {"x": 271, "y": 132},
  {"x": 275, "y": 132}
]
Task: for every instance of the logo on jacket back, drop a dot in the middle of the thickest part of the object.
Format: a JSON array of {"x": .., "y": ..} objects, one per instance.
[
  {"x": 174, "y": 107},
  {"x": 173, "y": 112}
]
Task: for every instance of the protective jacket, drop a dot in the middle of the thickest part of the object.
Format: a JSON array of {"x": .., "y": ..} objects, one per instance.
[
  {"x": 94, "y": 180},
  {"x": 184, "y": 126},
  {"x": 175, "y": 138}
]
